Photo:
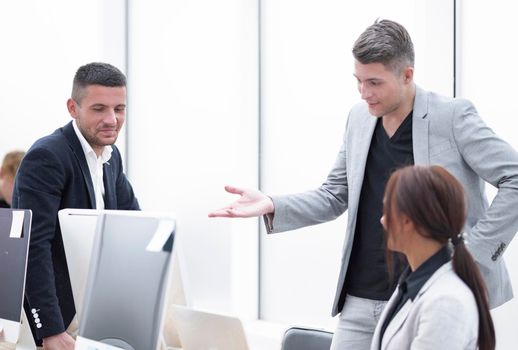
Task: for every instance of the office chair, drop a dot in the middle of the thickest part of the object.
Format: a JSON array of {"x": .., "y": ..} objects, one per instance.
[{"x": 298, "y": 338}]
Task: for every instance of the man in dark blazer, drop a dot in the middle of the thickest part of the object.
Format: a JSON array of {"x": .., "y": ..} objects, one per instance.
[{"x": 77, "y": 166}]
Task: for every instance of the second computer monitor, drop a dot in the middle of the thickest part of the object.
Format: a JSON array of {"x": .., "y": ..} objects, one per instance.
[{"x": 127, "y": 280}]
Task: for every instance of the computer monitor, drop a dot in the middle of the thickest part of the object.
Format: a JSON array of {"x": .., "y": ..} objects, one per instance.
[
  {"x": 127, "y": 280},
  {"x": 15, "y": 228},
  {"x": 78, "y": 232}
]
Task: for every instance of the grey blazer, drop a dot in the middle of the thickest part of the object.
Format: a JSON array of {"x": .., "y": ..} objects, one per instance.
[
  {"x": 443, "y": 315},
  {"x": 447, "y": 132}
]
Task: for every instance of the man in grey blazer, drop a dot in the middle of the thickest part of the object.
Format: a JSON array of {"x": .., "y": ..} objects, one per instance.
[{"x": 397, "y": 124}]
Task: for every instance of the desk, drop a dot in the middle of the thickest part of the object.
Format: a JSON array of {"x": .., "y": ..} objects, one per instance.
[
  {"x": 263, "y": 335},
  {"x": 7, "y": 346}
]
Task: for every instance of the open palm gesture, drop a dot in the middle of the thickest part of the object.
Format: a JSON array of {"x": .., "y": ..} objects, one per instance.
[{"x": 250, "y": 203}]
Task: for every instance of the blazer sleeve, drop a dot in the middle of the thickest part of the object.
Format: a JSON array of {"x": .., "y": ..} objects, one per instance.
[
  {"x": 313, "y": 207},
  {"x": 496, "y": 162},
  {"x": 39, "y": 185}
]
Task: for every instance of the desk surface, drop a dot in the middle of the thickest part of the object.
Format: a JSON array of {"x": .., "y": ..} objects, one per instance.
[{"x": 262, "y": 335}]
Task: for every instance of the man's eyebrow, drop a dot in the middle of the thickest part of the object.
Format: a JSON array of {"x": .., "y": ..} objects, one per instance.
[
  {"x": 369, "y": 79},
  {"x": 104, "y": 105}
]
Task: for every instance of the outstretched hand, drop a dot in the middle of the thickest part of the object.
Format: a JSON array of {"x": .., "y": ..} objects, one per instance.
[{"x": 251, "y": 203}]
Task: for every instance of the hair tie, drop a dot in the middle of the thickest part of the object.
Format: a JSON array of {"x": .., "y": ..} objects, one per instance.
[{"x": 457, "y": 239}]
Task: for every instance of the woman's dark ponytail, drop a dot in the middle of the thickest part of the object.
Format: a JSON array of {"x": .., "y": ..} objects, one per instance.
[{"x": 466, "y": 268}]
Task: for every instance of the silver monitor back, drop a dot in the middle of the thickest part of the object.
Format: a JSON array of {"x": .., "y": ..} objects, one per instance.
[{"x": 127, "y": 280}]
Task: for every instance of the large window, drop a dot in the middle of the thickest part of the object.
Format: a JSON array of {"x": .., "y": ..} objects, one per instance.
[
  {"x": 193, "y": 129},
  {"x": 43, "y": 43},
  {"x": 486, "y": 75},
  {"x": 307, "y": 89}
]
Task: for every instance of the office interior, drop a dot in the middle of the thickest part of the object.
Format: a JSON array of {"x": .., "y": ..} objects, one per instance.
[{"x": 253, "y": 93}]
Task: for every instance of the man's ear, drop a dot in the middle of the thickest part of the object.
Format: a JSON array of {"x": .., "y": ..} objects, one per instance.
[
  {"x": 72, "y": 108},
  {"x": 408, "y": 74}
]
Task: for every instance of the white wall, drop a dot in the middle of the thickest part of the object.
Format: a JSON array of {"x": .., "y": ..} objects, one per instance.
[
  {"x": 43, "y": 44},
  {"x": 307, "y": 90},
  {"x": 193, "y": 129},
  {"x": 487, "y": 76}
]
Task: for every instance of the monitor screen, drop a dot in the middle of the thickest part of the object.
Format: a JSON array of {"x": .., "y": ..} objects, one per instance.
[
  {"x": 15, "y": 228},
  {"x": 127, "y": 280}
]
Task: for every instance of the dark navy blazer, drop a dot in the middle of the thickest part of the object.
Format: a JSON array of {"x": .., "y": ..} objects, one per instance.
[{"x": 52, "y": 176}]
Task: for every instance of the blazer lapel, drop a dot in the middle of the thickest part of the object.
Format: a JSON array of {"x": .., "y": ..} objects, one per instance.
[
  {"x": 420, "y": 128},
  {"x": 400, "y": 318},
  {"x": 109, "y": 187},
  {"x": 396, "y": 323},
  {"x": 75, "y": 146},
  {"x": 360, "y": 145},
  {"x": 390, "y": 304}
]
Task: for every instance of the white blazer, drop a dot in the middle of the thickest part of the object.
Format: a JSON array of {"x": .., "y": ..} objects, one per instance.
[{"x": 443, "y": 315}]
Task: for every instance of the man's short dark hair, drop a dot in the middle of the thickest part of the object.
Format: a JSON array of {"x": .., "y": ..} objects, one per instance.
[
  {"x": 385, "y": 42},
  {"x": 96, "y": 73}
]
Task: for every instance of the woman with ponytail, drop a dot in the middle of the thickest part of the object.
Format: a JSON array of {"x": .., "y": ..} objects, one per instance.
[{"x": 441, "y": 300}]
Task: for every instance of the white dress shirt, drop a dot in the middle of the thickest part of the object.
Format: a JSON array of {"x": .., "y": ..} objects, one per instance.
[{"x": 95, "y": 165}]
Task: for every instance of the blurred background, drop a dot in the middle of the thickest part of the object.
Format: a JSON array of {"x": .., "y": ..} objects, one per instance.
[{"x": 253, "y": 93}]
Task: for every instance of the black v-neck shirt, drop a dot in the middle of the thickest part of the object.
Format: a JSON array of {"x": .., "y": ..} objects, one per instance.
[{"x": 367, "y": 274}]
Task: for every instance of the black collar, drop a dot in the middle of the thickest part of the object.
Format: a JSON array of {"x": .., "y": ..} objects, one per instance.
[{"x": 410, "y": 283}]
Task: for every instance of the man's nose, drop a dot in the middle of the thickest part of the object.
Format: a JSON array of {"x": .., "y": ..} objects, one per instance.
[
  {"x": 365, "y": 92},
  {"x": 110, "y": 117}
]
